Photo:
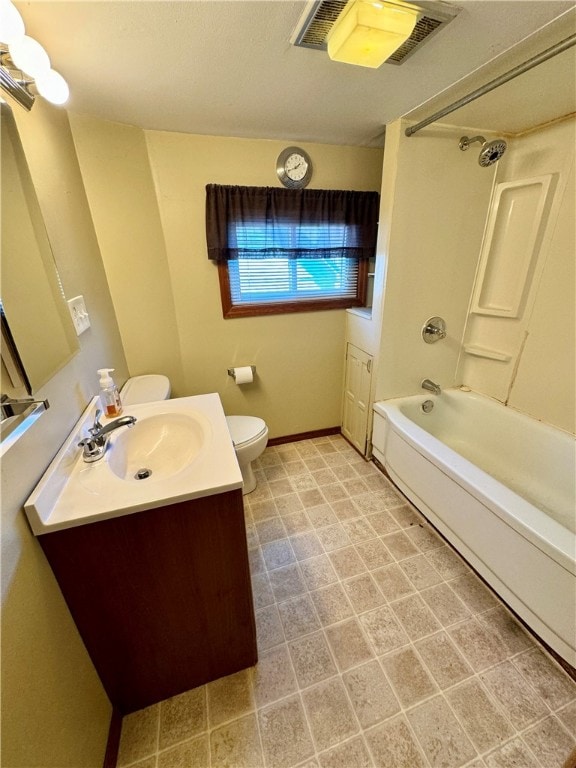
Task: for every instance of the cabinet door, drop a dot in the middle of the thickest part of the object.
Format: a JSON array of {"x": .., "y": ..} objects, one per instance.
[{"x": 357, "y": 397}]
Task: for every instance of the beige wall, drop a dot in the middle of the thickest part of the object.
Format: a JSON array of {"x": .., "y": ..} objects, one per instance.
[
  {"x": 118, "y": 182},
  {"x": 539, "y": 379},
  {"x": 55, "y": 713},
  {"x": 298, "y": 356}
]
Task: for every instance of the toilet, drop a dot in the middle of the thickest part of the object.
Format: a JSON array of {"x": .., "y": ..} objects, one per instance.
[{"x": 249, "y": 433}]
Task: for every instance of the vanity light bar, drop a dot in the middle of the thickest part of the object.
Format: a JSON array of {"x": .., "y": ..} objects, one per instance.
[{"x": 16, "y": 90}]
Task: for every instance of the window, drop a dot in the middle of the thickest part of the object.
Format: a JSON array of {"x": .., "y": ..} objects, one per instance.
[{"x": 282, "y": 250}]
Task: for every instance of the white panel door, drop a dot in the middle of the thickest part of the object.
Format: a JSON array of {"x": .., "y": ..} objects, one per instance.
[{"x": 355, "y": 410}]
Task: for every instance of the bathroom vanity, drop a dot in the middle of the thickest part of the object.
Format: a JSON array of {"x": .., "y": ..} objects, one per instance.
[
  {"x": 162, "y": 598},
  {"x": 155, "y": 571}
]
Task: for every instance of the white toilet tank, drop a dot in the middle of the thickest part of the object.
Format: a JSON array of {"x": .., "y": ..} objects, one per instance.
[{"x": 145, "y": 389}]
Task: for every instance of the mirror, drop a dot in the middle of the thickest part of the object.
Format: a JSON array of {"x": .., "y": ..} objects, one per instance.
[{"x": 38, "y": 336}]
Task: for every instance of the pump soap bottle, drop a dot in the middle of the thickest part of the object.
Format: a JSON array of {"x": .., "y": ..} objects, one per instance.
[{"x": 109, "y": 395}]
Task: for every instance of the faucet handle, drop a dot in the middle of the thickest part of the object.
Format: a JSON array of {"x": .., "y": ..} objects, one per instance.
[{"x": 96, "y": 427}]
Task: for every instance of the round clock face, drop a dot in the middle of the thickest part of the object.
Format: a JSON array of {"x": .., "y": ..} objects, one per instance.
[{"x": 294, "y": 168}]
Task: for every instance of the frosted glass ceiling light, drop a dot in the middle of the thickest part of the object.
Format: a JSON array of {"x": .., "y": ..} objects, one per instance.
[
  {"x": 29, "y": 56},
  {"x": 53, "y": 87},
  {"x": 11, "y": 24},
  {"x": 367, "y": 33}
]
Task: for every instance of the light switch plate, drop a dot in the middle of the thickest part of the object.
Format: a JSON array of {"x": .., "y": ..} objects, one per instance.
[{"x": 79, "y": 314}]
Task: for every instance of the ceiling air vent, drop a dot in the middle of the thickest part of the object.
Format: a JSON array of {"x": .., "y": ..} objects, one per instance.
[{"x": 320, "y": 16}]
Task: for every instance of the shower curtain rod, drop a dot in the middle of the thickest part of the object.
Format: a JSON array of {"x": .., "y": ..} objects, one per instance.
[{"x": 533, "y": 62}]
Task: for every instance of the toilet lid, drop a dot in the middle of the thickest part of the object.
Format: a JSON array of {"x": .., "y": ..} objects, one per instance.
[{"x": 243, "y": 429}]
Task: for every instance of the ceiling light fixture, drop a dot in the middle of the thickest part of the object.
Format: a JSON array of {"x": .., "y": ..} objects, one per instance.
[
  {"x": 368, "y": 32},
  {"x": 25, "y": 63}
]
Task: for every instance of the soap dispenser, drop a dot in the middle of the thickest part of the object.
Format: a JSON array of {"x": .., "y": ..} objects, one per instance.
[{"x": 109, "y": 395}]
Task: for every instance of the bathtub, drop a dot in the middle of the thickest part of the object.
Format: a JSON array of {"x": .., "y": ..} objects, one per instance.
[{"x": 500, "y": 486}]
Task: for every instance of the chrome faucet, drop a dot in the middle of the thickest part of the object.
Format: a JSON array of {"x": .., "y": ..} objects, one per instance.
[
  {"x": 431, "y": 386},
  {"x": 94, "y": 447}
]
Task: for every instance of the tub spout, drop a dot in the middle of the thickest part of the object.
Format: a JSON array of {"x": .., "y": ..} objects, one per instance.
[{"x": 431, "y": 386}]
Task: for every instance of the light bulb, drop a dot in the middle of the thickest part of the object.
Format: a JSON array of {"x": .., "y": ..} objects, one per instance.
[
  {"x": 53, "y": 87},
  {"x": 29, "y": 56},
  {"x": 11, "y": 24}
]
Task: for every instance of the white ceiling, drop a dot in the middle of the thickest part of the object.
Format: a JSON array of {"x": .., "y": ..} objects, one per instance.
[{"x": 228, "y": 68}]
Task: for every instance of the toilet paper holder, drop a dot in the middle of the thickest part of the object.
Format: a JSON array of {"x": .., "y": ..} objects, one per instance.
[{"x": 232, "y": 371}]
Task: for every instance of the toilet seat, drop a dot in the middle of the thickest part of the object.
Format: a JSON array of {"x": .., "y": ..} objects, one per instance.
[{"x": 245, "y": 429}]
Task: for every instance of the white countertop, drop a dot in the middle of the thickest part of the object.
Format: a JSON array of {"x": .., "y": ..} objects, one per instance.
[{"x": 73, "y": 492}]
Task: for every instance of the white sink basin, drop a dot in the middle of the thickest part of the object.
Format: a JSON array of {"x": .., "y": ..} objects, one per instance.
[
  {"x": 157, "y": 446},
  {"x": 181, "y": 448}
]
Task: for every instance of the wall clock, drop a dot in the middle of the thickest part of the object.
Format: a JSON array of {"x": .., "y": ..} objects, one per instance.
[{"x": 294, "y": 168}]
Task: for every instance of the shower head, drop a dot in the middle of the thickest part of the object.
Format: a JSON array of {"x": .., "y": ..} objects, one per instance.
[{"x": 491, "y": 150}]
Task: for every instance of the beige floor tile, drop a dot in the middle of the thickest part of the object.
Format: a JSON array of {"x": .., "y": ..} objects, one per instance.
[
  {"x": 314, "y": 462},
  {"x": 508, "y": 629},
  {"x": 516, "y": 697},
  {"x": 273, "y": 676},
  {"x": 329, "y": 713},
  {"x": 392, "y": 582},
  {"x": 274, "y": 472},
  {"x": 410, "y": 679},
  {"x": 148, "y": 762},
  {"x": 351, "y": 754},
  {"x": 347, "y": 562},
  {"x": 194, "y": 753},
  {"x": 370, "y": 693},
  {"x": 359, "y": 530},
  {"x": 550, "y": 742},
  {"x": 348, "y": 644},
  {"x": 298, "y": 522},
  {"x": 424, "y": 537},
  {"x": 236, "y": 744},
  {"x": 345, "y": 509},
  {"x": 374, "y": 553},
  {"x": 230, "y": 697},
  {"x": 256, "y": 560},
  {"x": 269, "y": 630},
  {"x": 331, "y": 604},
  {"x": 312, "y": 659},
  {"x": 486, "y": 726},
  {"x": 261, "y": 590},
  {"x": 415, "y": 616},
  {"x": 441, "y": 736},
  {"x": 400, "y": 545},
  {"x": 139, "y": 735},
  {"x": 324, "y": 476},
  {"x": 286, "y": 582},
  {"x": 472, "y": 592},
  {"x": 311, "y": 498},
  {"x": 270, "y": 529},
  {"x": 288, "y": 504},
  {"x": 445, "y": 604},
  {"x": 383, "y": 630},
  {"x": 333, "y": 537},
  {"x": 405, "y": 515},
  {"x": 305, "y": 482},
  {"x": 448, "y": 564},
  {"x": 318, "y": 572},
  {"x": 567, "y": 716},
  {"x": 354, "y": 486},
  {"x": 392, "y": 744},
  {"x": 322, "y": 516},
  {"x": 182, "y": 717},
  {"x": 479, "y": 646},
  {"x": 294, "y": 468},
  {"x": 298, "y": 617},
  {"x": 446, "y": 664},
  {"x": 278, "y": 554},
  {"x": 363, "y": 593},
  {"x": 383, "y": 523},
  {"x": 420, "y": 572},
  {"x": 286, "y": 739},
  {"x": 513, "y": 754}
]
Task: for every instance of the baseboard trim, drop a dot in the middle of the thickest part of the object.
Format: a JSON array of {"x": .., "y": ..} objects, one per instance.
[
  {"x": 304, "y": 436},
  {"x": 113, "y": 743}
]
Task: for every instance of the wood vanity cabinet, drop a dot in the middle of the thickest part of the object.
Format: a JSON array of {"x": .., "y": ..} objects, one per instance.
[{"x": 162, "y": 598}]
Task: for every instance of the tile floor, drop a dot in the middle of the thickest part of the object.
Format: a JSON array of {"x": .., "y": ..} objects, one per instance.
[{"x": 378, "y": 646}]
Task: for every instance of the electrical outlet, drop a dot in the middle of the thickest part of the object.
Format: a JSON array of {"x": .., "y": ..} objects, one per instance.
[{"x": 79, "y": 314}]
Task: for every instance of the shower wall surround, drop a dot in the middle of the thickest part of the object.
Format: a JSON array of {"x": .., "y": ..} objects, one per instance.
[{"x": 520, "y": 336}]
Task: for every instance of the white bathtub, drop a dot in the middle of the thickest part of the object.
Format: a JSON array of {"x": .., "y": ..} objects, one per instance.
[{"x": 500, "y": 486}]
